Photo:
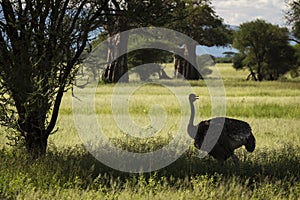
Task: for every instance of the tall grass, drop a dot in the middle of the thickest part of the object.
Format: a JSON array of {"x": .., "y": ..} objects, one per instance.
[
  {"x": 68, "y": 171},
  {"x": 74, "y": 174}
]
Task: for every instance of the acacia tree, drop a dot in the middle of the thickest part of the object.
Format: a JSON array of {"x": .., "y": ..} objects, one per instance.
[
  {"x": 115, "y": 23},
  {"x": 264, "y": 50},
  {"x": 130, "y": 14},
  {"x": 195, "y": 18},
  {"x": 200, "y": 22},
  {"x": 293, "y": 18},
  {"x": 40, "y": 45}
]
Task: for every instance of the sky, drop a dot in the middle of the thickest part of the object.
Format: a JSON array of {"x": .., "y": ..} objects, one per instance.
[{"x": 235, "y": 12}]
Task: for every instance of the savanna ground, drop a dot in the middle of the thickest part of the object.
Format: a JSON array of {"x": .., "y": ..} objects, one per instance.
[{"x": 68, "y": 171}]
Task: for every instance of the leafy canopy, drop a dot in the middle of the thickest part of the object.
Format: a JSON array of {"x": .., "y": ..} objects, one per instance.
[
  {"x": 40, "y": 46},
  {"x": 264, "y": 50}
]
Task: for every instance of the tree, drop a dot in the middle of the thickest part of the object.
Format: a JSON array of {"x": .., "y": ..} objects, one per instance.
[
  {"x": 264, "y": 50},
  {"x": 40, "y": 46},
  {"x": 115, "y": 23},
  {"x": 127, "y": 15},
  {"x": 296, "y": 71},
  {"x": 147, "y": 55},
  {"x": 200, "y": 22},
  {"x": 293, "y": 18},
  {"x": 195, "y": 18}
]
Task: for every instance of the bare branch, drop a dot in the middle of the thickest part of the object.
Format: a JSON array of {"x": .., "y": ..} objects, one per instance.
[{"x": 71, "y": 63}]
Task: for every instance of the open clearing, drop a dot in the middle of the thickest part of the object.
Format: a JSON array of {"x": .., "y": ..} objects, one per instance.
[{"x": 68, "y": 171}]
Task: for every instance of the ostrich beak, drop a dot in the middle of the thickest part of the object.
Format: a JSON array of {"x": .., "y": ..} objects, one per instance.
[{"x": 197, "y": 97}]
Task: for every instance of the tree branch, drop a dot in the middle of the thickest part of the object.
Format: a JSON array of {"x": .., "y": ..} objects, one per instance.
[
  {"x": 10, "y": 20},
  {"x": 70, "y": 65},
  {"x": 294, "y": 40}
]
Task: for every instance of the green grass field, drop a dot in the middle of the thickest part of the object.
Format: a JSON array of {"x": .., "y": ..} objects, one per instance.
[{"x": 68, "y": 171}]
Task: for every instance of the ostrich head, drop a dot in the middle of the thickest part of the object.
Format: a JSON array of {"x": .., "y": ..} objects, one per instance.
[{"x": 193, "y": 97}]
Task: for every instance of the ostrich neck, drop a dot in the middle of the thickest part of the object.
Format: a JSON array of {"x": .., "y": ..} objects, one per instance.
[
  {"x": 192, "y": 130},
  {"x": 191, "y": 122}
]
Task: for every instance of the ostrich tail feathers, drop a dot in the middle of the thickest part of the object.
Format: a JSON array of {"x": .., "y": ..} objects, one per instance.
[{"x": 250, "y": 145}]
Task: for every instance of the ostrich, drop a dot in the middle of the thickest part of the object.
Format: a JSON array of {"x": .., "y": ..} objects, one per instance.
[{"x": 235, "y": 133}]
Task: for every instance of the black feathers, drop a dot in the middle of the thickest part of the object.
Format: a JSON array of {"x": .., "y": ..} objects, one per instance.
[
  {"x": 250, "y": 145},
  {"x": 234, "y": 134},
  {"x": 220, "y": 136}
]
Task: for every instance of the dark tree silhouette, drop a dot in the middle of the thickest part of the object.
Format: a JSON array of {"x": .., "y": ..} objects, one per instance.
[{"x": 40, "y": 45}]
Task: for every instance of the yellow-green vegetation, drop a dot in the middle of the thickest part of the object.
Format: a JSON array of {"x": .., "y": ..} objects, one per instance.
[{"x": 68, "y": 171}]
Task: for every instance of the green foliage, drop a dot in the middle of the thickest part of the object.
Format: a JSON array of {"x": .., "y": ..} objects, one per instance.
[
  {"x": 144, "y": 56},
  {"x": 40, "y": 46},
  {"x": 264, "y": 50},
  {"x": 150, "y": 13},
  {"x": 100, "y": 38},
  {"x": 224, "y": 60},
  {"x": 296, "y": 71},
  {"x": 194, "y": 18},
  {"x": 293, "y": 16},
  {"x": 147, "y": 56},
  {"x": 199, "y": 21},
  {"x": 146, "y": 72}
]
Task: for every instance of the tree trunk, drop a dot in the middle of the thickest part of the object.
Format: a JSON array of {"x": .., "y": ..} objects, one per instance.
[
  {"x": 259, "y": 71},
  {"x": 252, "y": 74},
  {"x": 33, "y": 130},
  {"x": 190, "y": 68},
  {"x": 36, "y": 143},
  {"x": 178, "y": 66},
  {"x": 117, "y": 68},
  {"x": 186, "y": 68},
  {"x": 33, "y": 124}
]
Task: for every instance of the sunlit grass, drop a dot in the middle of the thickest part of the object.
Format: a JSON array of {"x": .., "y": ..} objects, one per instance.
[
  {"x": 275, "y": 106},
  {"x": 68, "y": 171}
]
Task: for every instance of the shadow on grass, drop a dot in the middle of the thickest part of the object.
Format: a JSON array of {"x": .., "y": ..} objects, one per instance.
[{"x": 76, "y": 168}]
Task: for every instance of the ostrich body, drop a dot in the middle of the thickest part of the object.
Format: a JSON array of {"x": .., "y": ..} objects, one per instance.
[{"x": 235, "y": 133}]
